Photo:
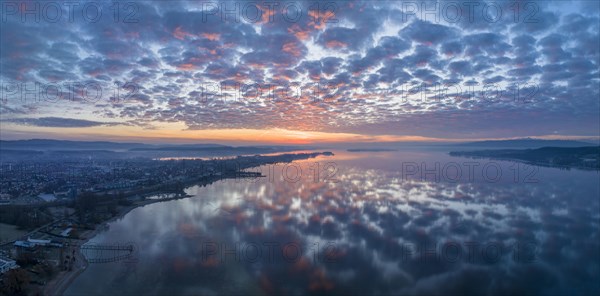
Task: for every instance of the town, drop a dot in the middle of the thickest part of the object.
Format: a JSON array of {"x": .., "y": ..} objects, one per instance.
[{"x": 48, "y": 210}]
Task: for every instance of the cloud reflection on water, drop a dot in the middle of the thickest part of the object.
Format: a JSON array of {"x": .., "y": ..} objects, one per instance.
[{"x": 371, "y": 232}]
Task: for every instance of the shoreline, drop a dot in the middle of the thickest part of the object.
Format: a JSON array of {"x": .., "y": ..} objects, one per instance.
[{"x": 63, "y": 279}]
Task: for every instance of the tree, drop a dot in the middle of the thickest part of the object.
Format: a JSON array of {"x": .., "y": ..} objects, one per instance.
[
  {"x": 112, "y": 208},
  {"x": 74, "y": 233},
  {"x": 48, "y": 270},
  {"x": 25, "y": 258},
  {"x": 87, "y": 201},
  {"x": 15, "y": 281}
]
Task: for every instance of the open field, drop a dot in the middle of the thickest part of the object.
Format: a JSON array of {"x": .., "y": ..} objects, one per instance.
[{"x": 10, "y": 232}]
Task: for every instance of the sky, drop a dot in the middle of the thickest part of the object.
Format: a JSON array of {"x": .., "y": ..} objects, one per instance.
[{"x": 299, "y": 72}]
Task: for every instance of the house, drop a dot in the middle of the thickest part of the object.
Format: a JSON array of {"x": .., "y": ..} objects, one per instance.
[
  {"x": 24, "y": 245},
  {"x": 7, "y": 264},
  {"x": 31, "y": 244},
  {"x": 47, "y": 197},
  {"x": 4, "y": 199},
  {"x": 39, "y": 242},
  {"x": 66, "y": 232}
]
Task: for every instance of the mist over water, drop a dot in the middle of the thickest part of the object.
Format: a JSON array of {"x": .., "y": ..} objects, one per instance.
[{"x": 365, "y": 223}]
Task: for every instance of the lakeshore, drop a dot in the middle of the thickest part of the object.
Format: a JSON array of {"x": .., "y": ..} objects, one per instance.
[
  {"x": 583, "y": 158},
  {"x": 59, "y": 284},
  {"x": 94, "y": 211},
  {"x": 241, "y": 237},
  {"x": 63, "y": 279}
]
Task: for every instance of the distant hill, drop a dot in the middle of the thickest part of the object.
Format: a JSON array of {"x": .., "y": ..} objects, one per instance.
[
  {"x": 44, "y": 144},
  {"x": 5, "y": 152},
  {"x": 185, "y": 146},
  {"x": 371, "y": 150},
  {"x": 218, "y": 148},
  {"x": 576, "y": 157},
  {"x": 62, "y": 146},
  {"x": 526, "y": 143}
]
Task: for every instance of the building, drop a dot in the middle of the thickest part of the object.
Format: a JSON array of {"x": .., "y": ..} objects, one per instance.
[
  {"x": 32, "y": 244},
  {"x": 47, "y": 197},
  {"x": 7, "y": 264},
  {"x": 4, "y": 199},
  {"x": 66, "y": 232},
  {"x": 39, "y": 242},
  {"x": 24, "y": 244}
]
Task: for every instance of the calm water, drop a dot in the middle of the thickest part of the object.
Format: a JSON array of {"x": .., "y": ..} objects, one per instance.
[{"x": 366, "y": 223}]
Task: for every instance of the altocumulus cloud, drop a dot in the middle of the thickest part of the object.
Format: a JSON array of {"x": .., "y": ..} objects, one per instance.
[
  {"x": 58, "y": 122},
  {"x": 371, "y": 56}
]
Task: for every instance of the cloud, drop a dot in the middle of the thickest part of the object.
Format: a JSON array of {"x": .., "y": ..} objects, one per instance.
[
  {"x": 347, "y": 69},
  {"x": 58, "y": 122},
  {"x": 428, "y": 33}
]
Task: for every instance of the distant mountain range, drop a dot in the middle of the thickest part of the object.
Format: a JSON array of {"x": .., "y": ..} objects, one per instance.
[
  {"x": 64, "y": 146},
  {"x": 43, "y": 144},
  {"x": 526, "y": 143},
  {"x": 219, "y": 148}
]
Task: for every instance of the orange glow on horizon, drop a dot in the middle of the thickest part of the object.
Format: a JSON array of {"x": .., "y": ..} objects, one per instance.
[{"x": 177, "y": 132}]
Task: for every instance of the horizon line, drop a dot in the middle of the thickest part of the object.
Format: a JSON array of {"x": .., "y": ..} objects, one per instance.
[{"x": 183, "y": 141}]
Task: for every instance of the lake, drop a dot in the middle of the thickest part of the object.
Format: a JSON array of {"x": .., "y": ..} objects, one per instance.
[{"x": 413, "y": 221}]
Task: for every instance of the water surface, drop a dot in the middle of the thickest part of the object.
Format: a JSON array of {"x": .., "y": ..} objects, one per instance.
[{"x": 365, "y": 223}]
